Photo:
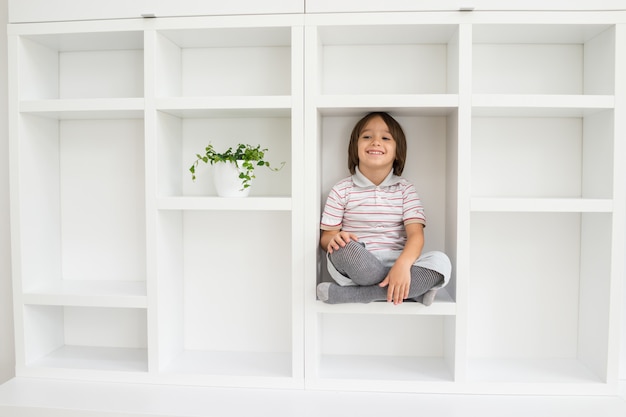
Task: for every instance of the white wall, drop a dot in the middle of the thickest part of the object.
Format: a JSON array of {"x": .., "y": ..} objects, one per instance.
[{"x": 7, "y": 357}]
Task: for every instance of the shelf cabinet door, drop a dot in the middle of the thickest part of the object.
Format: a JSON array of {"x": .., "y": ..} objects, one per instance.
[
  {"x": 329, "y": 6},
  {"x": 22, "y": 11},
  {"x": 163, "y": 8}
]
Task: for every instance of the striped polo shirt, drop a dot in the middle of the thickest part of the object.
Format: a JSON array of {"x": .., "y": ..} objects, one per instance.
[{"x": 377, "y": 215}]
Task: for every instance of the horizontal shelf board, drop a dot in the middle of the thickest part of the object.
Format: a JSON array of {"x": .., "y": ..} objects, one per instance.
[
  {"x": 443, "y": 305},
  {"x": 228, "y": 37},
  {"x": 221, "y": 203},
  {"x": 122, "y": 294},
  {"x": 254, "y": 364},
  {"x": 226, "y": 106},
  {"x": 349, "y": 33},
  {"x": 426, "y": 104},
  {"x": 555, "y": 205},
  {"x": 384, "y": 368},
  {"x": 48, "y": 397},
  {"x": 95, "y": 358},
  {"x": 97, "y": 108},
  {"x": 530, "y": 370},
  {"x": 527, "y": 105},
  {"x": 536, "y": 33},
  {"x": 88, "y": 36}
]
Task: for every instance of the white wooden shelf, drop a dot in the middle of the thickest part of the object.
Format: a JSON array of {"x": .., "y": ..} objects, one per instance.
[
  {"x": 104, "y": 108},
  {"x": 554, "y": 205},
  {"x": 110, "y": 359},
  {"x": 443, "y": 305},
  {"x": 231, "y": 364},
  {"x": 129, "y": 294},
  {"x": 426, "y": 104},
  {"x": 356, "y": 370},
  {"x": 221, "y": 203},
  {"x": 226, "y": 106},
  {"x": 533, "y": 105}
]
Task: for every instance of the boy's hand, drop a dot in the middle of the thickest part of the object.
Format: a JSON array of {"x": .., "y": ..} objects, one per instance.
[
  {"x": 339, "y": 240},
  {"x": 398, "y": 283}
]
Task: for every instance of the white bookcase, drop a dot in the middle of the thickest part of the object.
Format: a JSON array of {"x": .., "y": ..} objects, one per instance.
[{"x": 126, "y": 270}]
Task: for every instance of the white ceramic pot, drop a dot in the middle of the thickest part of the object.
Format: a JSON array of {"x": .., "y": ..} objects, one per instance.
[{"x": 227, "y": 181}]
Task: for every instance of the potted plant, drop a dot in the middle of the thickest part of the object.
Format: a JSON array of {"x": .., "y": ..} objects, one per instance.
[{"x": 234, "y": 168}]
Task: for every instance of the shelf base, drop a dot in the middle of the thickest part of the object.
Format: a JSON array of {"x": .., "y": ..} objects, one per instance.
[{"x": 26, "y": 397}]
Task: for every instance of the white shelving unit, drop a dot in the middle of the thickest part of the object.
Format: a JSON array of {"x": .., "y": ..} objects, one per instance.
[
  {"x": 411, "y": 70},
  {"x": 125, "y": 270},
  {"x": 514, "y": 147}
]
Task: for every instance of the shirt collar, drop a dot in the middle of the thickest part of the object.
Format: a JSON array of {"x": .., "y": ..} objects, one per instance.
[{"x": 361, "y": 180}]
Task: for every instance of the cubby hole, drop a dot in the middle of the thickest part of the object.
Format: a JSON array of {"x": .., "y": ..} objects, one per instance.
[
  {"x": 543, "y": 59},
  {"x": 543, "y": 157},
  {"x": 386, "y": 347},
  {"x": 539, "y": 290},
  {"x": 182, "y": 135},
  {"x": 224, "y": 62},
  {"x": 385, "y": 59},
  {"x": 431, "y": 165},
  {"x": 226, "y": 293},
  {"x": 82, "y": 213},
  {"x": 85, "y": 338},
  {"x": 81, "y": 66}
]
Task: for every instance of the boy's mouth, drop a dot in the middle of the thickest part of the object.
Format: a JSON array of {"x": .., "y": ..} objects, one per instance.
[{"x": 373, "y": 152}]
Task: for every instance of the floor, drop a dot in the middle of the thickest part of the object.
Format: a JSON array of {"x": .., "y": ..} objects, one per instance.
[{"x": 24, "y": 397}]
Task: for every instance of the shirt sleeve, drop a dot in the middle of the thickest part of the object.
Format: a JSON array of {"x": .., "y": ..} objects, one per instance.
[
  {"x": 412, "y": 208},
  {"x": 332, "y": 216}
]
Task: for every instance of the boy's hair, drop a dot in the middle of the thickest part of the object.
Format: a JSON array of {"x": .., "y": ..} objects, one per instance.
[{"x": 396, "y": 131}]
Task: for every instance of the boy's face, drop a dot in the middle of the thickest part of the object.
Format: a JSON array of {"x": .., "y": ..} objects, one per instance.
[{"x": 376, "y": 146}]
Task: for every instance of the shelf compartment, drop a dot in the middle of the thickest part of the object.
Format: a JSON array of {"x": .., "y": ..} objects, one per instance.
[
  {"x": 402, "y": 59},
  {"x": 88, "y": 338},
  {"x": 543, "y": 59},
  {"x": 370, "y": 348},
  {"x": 543, "y": 157},
  {"x": 432, "y": 142},
  {"x": 81, "y": 217},
  {"x": 180, "y": 139},
  {"x": 130, "y": 294},
  {"x": 235, "y": 275},
  {"x": 217, "y": 62},
  {"x": 81, "y": 65},
  {"x": 522, "y": 266}
]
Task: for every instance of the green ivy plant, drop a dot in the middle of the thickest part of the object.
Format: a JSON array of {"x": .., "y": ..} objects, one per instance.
[{"x": 252, "y": 157}]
